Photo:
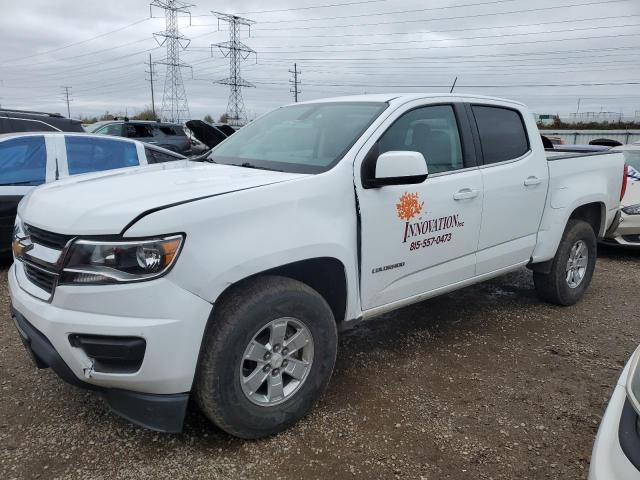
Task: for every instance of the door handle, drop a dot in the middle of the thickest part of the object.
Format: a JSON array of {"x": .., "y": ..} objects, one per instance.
[
  {"x": 532, "y": 180},
  {"x": 465, "y": 193}
]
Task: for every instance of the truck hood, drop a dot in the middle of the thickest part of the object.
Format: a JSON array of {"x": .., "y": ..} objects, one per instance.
[
  {"x": 205, "y": 133},
  {"x": 106, "y": 202}
]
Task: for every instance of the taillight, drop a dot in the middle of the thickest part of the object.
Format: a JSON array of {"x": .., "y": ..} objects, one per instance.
[{"x": 624, "y": 181}]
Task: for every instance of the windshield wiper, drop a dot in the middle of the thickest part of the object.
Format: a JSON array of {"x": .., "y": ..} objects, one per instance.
[{"x": 251, "y": 165}]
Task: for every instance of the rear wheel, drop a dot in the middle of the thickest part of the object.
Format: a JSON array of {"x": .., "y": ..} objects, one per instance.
[
  {"x": 267, "y": 357},
  {"x": 572, "y": 267}
]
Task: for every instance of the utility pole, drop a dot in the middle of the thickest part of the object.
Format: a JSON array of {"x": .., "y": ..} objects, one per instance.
[
  {"x": 150, "y": 72},
  {"x": 236, "y": 51},
  {"x": 295, "y": 82},
  {"x": 66, "y": 94},
  {"x": 174, "y": 98}
]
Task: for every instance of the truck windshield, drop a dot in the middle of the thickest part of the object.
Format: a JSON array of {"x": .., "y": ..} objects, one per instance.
[{"x": 307, "y": 138}]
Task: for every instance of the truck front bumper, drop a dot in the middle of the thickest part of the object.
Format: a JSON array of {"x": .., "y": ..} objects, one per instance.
[{"x": 170, "y": 320}]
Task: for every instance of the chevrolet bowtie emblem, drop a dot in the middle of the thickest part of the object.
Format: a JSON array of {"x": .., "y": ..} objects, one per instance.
[{"x": 20, "y": 246}]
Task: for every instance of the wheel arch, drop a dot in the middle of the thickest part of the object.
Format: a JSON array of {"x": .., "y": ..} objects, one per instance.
[
  {"x": 326, "y": 275},
  {"x": 594, "y": 214}
]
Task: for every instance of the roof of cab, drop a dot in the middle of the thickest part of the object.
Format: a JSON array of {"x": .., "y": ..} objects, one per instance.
[{"x": 406, "y": 97}]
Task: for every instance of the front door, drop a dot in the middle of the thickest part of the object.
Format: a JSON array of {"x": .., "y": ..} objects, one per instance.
[{"x": 422, "y": 237}]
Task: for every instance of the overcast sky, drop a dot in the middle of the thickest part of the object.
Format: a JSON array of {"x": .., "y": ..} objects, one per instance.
[{"x": 533, "y": 51}]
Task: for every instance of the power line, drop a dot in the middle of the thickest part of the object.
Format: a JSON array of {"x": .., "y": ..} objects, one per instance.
[
  {"x": 454, "y": 30},
  {"x": 397, "y": 12},
  {"x": 508, "y": 85},
  {"x": 548, "y": 40},
  {"x": 459, "y": 17},
  {"x": 57, "y": 49},
  {"x": 501, "y": 35},
  {"x": 236, "y": 51}
]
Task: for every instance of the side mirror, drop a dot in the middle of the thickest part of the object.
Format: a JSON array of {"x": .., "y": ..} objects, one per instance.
[{"x": 399, "y": 168}]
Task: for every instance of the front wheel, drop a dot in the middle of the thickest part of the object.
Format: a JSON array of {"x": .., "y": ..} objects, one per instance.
[
  {"x": 267, "y": 357},
  {"x": 572, "y": 267}
]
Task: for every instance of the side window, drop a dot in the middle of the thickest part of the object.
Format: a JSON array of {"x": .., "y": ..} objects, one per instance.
[
  {"x": 24, "y": 125},
  {"x": 23, "y": 161},
  {"x": 90, "y": 154},
  {"x": 135, "y": 130},
  {"x": 114, "y": 129},
  {"x": 156, "y": 156},
  {"x": 167, "y": 130},
  {"x": 432, "y": 131},
  {"x": 503, "y": 135}
]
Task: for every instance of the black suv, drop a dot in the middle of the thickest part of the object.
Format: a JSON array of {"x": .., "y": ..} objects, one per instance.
[
  {"x": 166, "y": 135},
  {"x": 14, "y": 121}
]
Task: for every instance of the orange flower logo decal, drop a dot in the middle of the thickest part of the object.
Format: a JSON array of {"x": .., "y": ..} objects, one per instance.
[{"x": 409, "y": 206}]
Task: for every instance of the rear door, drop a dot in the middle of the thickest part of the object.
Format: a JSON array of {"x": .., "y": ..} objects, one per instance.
[
  {"x": 515, "y": 183},
  {"x": 422, "y": 237}
]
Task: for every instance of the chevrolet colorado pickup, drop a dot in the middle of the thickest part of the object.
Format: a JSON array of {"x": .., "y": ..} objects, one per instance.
[{"x": 227, "y": 280}]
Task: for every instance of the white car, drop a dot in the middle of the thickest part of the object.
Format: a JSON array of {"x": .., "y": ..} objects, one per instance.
[
  {"x": 616, "y": 451},
  {"x": 627, "y": 233},
  {"x": 228, "y": 281},
  {"x": 31, "y": 159}
]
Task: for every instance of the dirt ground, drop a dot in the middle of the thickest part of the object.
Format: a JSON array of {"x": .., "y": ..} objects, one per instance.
[{"x": 484, "y": 383}]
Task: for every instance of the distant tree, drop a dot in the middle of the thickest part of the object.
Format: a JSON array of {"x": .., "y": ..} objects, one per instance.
[
  {"x": 106, "y": 116},
  {"x": 224, "y": 118},
  {"x": 146, "y": 114},
  {"x": 208, "y": 118},
  {"x": 88, "y": 120}
]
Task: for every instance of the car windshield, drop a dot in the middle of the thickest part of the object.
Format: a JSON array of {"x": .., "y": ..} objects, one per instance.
[{"x": 308, "y": 138}]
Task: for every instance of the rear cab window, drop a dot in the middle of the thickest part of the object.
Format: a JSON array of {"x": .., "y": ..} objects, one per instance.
[
  {"x": 502, "y": 132},
  {"x": 23, "y": 161},
  {"x": 90, "y": 154}
]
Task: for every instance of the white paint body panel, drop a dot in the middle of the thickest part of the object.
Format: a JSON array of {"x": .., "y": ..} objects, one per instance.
[
  {"x": 240, "y": 222},
  {"x": 608, "y": 461}
]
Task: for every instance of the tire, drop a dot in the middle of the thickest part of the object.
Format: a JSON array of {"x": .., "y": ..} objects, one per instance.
[
  {"x": 220, "y": 388},
  {"x": 557, "y": 286}
]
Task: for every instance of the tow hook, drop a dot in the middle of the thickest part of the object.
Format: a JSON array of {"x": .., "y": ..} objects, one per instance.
[{"x": 88, "y": 371}]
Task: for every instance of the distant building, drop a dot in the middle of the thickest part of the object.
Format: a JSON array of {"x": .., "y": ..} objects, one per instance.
[{"x": 545, "y": 119}]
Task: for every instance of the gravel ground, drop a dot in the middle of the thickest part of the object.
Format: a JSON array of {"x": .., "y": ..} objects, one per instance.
[{"x": 484, "y": 383}]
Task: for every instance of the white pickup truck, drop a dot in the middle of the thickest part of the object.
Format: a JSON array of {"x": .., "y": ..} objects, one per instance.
[{"x": 228, "y": 280}]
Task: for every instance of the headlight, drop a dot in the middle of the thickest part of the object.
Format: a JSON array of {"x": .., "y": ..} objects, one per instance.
[
  {"x": 632, "y": 209},
  {"x": 20, "y": 241},
  {"x": 100, "y": 262},
  {"x": 633, "y": 381}
]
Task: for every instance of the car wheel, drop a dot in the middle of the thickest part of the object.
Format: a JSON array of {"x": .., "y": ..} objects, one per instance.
[
  {"x": 267, "y": 356},
  {"x": 572, "y": 267}
]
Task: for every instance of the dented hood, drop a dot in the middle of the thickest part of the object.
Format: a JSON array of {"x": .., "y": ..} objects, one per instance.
[{"x": 106, "y": 202}]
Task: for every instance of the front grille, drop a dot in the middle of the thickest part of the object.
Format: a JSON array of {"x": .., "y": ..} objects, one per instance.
[
  {"x": 43, "y": 279},
  {"x": 48, "y": 239}
]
